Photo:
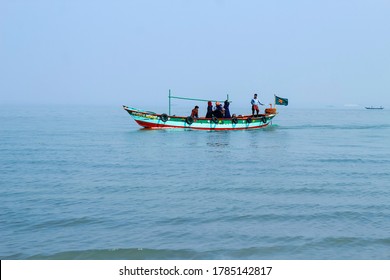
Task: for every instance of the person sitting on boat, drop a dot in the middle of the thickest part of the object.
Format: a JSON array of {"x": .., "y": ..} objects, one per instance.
[
  {"x": 255, "y": 105},
  {"x": 209, "y": 113},
  {"x": 227, "y": 111},
  {"x": 218, "y": 110},
  {"x": 195, "y": 113}
]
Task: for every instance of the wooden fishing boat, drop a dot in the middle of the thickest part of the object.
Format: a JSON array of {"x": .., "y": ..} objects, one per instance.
[
  {"x": 157, "y": 121},
  {"x": 153, "y": 120}
]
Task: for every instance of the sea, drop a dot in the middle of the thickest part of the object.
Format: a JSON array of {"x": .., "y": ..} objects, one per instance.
[{"x": 86, "y": 182}]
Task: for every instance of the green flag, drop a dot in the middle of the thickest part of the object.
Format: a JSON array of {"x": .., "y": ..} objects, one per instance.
[{"x": 281, "y": 101}]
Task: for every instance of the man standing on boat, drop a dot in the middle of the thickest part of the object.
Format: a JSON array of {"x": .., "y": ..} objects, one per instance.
[
  {"x": 209, "y": 113},
  {"x": 255, "y": 105},
  {"x": 227, "y": 111}
]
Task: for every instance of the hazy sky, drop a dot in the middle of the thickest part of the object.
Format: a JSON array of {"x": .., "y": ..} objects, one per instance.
[{"x": 332, "y": 52}]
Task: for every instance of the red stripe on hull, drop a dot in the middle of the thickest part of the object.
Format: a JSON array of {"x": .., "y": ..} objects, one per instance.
[{"x": 163, "y": 126}]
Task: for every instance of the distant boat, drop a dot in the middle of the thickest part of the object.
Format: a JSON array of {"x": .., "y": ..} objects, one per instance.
[{"x": 374, "y": 108}]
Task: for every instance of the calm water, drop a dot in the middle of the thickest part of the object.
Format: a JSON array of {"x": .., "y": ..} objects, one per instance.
[{"x": 87, "y": 183}]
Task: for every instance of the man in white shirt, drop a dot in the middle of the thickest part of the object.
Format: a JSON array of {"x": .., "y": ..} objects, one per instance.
[{"x": 255, "y": 105}]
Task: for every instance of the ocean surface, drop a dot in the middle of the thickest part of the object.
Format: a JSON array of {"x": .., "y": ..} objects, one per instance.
[{"x": 85, "y": 182}]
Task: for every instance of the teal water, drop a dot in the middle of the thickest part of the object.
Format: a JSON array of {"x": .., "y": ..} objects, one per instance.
[{"x": 88, "y": 183}]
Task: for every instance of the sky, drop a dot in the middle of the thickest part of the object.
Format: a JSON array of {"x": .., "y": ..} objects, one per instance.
[{"x": 315, "y": 53}]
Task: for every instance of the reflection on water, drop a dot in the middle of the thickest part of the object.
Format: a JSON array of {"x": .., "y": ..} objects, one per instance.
[{"x": 218, "y": 139}]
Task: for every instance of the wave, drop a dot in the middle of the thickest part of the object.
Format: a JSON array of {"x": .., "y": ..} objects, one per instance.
[
  {"x": 295, "y": 247},
  {"x": 65, "y": 223},
  {"x": 266, "y": 252},
  {"x": 121, "y": 254}
]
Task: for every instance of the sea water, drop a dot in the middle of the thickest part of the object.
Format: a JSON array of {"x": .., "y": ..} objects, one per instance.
[{"x": 88, "y": 183}]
